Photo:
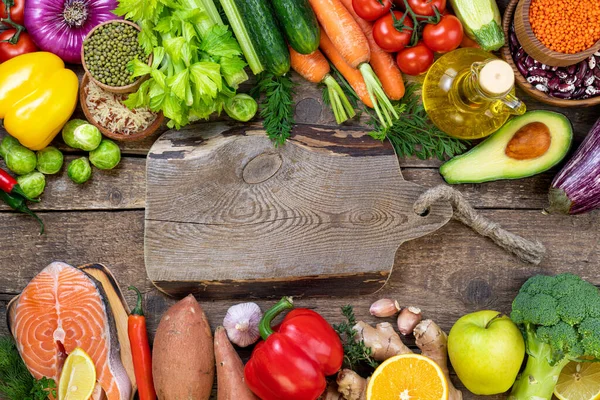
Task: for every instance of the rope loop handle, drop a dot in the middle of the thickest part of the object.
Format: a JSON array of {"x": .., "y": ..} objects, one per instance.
[{"x": 526, "y": 250}]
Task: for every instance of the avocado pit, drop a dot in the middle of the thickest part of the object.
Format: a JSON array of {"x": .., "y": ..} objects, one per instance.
[{"x": 531, "y": 141}]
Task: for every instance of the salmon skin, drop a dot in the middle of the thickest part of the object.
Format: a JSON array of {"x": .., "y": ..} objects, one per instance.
[{"x": 63, "y": 308}]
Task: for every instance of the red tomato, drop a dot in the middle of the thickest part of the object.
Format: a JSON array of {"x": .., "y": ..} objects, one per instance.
[
  {"x": 444, "y": 36},
  {"x": 16, "y": 11},
  {"x": 415, "y": 60},
  {"x": 370, "y": 10},
  {"x": 388, "y": 37},
  {"x": 24, "y": 45},
  {"x": 424, "y": 7},
  {"x": 468, "y": 42}
]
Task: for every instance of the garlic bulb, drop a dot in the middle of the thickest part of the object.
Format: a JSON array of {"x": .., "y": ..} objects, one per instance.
[
  {"x": 241, "y": 323},
  {"x": 408, "y": 319}
]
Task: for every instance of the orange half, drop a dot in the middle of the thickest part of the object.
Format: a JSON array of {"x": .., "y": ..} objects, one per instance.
[{"x": 408, "y": 377}]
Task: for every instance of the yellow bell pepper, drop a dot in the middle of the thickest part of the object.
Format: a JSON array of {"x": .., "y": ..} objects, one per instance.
[{"x": 37, "y": 97}]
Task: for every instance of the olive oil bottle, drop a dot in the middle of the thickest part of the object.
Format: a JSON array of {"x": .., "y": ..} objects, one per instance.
[{"x": 469, "y": 93}]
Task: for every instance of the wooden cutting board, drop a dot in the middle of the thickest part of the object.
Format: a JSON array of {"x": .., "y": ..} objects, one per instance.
[
  {"x": 228, "y": 215},
  {"x": 120, "y": 312}
]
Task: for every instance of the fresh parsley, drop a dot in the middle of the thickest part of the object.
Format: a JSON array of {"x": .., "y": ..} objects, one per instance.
[
  {"x": 357, "y": 356},
  {"x": 276, "y": 106},
  {"x": 16, "y": 383}
]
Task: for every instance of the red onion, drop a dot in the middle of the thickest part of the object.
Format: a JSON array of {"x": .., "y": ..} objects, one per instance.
[{"x": 59, "y": 26}]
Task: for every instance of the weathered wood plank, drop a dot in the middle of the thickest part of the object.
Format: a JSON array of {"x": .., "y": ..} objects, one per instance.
[
  {"x": 259, "y": 217},
  {"x": 123, "y": 187}
]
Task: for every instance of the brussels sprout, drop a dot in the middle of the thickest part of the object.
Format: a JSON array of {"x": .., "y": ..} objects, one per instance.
[
  {"x": 49, "y": 160},
  {"x": 20, "y": 160},
  {"x": 106, "y": 156},
  {"x": 6, "y": 144},
  {"x": 241, "y": 107},
  {"x": 79, "y": 134},
  {"x": 33, "y": 184},
  {"x": 79, "y": 170}
]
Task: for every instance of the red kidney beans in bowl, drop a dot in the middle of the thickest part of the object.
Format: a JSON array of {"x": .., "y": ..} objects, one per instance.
[{"x": 575, "y": 82}]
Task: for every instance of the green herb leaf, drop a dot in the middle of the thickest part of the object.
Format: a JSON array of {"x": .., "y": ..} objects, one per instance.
[
  {"x": 220, "y": 42},
  {"x": 357, "y": 355},
  {"x": 207, "y": 78},
  {"x": 277, "y": 106}
]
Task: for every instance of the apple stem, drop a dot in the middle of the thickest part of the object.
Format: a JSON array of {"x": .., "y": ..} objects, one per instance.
[{"x": 500, "y": 315}]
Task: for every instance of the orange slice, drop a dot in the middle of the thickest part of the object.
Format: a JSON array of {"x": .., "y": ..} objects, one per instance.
[{"x": 408, "y": 377}]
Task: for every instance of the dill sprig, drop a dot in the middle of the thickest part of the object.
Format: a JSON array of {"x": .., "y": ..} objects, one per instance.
[
  {"x": 16, "y": 383},
  {"x": 277, "y": 105},
  {"x": 357, "y": 355}
]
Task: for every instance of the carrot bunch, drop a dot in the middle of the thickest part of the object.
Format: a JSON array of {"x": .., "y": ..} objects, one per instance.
[{"x": 348, "y": 43}]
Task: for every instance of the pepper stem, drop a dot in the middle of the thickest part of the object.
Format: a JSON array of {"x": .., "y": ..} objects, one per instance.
[
  {"x": 264, "y": 327},
  {"x": 138, "y": 310}
]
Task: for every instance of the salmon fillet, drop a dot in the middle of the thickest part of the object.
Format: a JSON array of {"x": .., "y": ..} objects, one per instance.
[{"x": 61, "y": 309}]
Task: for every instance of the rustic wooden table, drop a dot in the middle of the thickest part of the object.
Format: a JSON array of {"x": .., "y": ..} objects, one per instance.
[{"x": 447, "y": 274}]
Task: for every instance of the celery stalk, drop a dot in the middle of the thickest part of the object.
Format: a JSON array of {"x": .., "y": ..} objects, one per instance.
[
  {"x": 241, "y": 33},
  {"x": 206, "y": 5}
]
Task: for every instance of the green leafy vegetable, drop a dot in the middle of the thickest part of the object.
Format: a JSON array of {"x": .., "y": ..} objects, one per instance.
[
  {"x": 277, "y": 106},
  {"x": 356, "y": 354},
  {"x": 197, "y": 63},
  {"x": 16, "y": 383}
]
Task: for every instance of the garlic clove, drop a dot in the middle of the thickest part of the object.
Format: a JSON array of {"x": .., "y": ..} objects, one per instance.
[
  {"x": 408, "y": 319},
  {"x": 241, "y": 323},
  {"x": 384, "y": 308}
]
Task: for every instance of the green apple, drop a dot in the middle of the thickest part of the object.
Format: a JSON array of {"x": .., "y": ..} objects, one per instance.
[{"x": 486, "y": 350}]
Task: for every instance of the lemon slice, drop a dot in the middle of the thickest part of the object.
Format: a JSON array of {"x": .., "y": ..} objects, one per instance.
[
  {"x": 78, "y": 377},
  {"x": 579, "y": 381},
  {"x": 408, "y": 377}
]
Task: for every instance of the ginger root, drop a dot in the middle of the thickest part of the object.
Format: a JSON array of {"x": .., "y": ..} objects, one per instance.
[
  {"x": 433, "y": 342},
  {"x": 351, "y": 385},
  {"x": 331, "y": 392},
  {"x": 383, "y": 340}
]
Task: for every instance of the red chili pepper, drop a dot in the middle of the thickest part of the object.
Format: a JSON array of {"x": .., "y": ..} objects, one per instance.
[
  {"x": 292, "y": 363},
  {"x": 10, "y": 185},
  {"x": 140, "y": 350}
]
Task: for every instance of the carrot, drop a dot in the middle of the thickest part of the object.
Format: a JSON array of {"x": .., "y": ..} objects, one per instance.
[
  {"x": 230, "y": 370},
  {"x": 343, "y": 30},
  {"x": 352, "y": 75},
  {"x": 382, "y": 62},
  {"x": 314, "y": 68}
]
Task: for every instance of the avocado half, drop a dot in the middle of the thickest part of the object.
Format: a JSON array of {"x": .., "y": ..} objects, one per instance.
[{"x": 526, "y": 145}]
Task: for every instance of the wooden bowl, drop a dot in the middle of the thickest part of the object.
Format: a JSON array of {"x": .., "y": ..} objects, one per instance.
[
  {"x": 536, "y": 49},
  {"x": 116, "y": 136},
  {"x": 522, "y": 82},
  {"x": 132, "y": 87}
]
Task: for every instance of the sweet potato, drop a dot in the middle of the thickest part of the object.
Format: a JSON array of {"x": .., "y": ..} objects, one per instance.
[
  {"x": 183, "y": 360},
  {"x": 230, "y": 370}
]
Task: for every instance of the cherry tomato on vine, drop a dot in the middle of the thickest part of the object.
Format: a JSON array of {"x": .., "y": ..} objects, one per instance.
[
  {"x": 424, "y": 7},
  {"x": 388, "y": 37},
  {"x": 16, "y": 11},
  {"x": 24, "y": 45},
  {"x": 415, "y": 60},
  {"x": 370, "y": 10},
  {"x": 444, "y": 36}
]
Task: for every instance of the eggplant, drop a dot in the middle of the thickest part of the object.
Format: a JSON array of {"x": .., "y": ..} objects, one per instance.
[{"x": 576, "y": 188}]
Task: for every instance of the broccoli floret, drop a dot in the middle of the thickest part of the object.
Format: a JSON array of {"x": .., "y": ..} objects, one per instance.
[{"x": 560, "y": 319}]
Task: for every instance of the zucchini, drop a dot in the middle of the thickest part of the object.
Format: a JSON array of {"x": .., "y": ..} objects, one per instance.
[
  {"x": 299, "y": 24},
  {"x": 481, "y": 21},
  {"x": 265, "y": 35}
]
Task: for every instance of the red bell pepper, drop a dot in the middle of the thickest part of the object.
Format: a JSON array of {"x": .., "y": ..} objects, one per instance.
[{"x": 292, "y": 362}]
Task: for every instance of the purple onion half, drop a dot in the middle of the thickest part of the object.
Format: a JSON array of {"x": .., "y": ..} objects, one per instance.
[
  {"x": 59, "y": 26},
  {"x": 576, "y": 188}
]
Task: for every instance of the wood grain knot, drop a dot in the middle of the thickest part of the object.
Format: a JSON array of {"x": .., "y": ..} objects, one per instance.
[
  {"x": 115, "y": 197},
  {"x": 308, "y": 111},
  {"x": 261, "y": 168},
  {"x": 478, "y": 292}
]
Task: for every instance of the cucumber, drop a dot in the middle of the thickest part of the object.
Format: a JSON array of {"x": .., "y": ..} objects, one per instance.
[
  {"x": 299, "y": 24},
  {"x": 264, "y": 33}
]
